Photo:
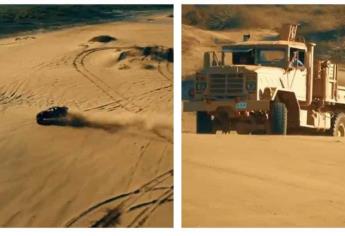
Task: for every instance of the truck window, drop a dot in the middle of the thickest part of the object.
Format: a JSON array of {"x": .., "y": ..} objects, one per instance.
[
  {"x": 273, "y": 57},
  {"x": 297, "y": 57},
  {"x": 341, "y": 75},
  {"x": 243, "y": 57}
]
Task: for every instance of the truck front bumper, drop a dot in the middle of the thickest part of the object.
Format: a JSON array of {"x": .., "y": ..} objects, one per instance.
[{"x": 209, "y": 106}]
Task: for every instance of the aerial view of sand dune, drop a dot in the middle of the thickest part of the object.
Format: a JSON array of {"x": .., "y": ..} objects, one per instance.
[
  {"x": 252, "y": 180},
  {"x": 110, "y": 163}
]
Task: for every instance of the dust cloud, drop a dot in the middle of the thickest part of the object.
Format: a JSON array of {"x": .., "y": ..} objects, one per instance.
[{"x": 158, "y": 124}]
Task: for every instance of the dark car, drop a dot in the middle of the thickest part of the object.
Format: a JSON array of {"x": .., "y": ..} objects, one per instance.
[{"x": 52, "y": 116}]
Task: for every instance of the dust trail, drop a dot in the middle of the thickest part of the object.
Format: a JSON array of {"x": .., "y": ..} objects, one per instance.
[{"x": 158, "y": 124}]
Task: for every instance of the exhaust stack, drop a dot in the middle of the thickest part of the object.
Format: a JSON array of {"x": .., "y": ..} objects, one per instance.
[
  {"x": 207, "y": 60},
  {"x": 310, "y": 73},
  {"x": 288, "y": 32}
]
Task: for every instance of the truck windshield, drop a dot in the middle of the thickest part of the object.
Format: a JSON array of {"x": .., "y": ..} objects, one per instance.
[
  {"x": 258, "y": 56},
  {"x": 271, "y": 56},
  {"x": 243, "y": 56}
]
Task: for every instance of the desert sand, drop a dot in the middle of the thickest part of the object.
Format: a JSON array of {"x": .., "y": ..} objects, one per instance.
[
  {"x": 257, "y": 180},
  {"x": 262, "y": 181},
  {"x": 116, "y": 170}
]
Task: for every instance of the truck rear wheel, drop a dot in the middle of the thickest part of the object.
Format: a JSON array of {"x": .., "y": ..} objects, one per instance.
[
  {"x": 278, "y": 118},
  {"x": 203, "y": 123},
  {"x": 339, "y": 125}
]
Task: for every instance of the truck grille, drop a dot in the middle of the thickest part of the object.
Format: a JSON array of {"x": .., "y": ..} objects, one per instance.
[{"x": 226, "y": 84}]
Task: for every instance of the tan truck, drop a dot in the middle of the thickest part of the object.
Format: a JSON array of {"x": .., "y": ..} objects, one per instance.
[{"x": 268, "y": 86}]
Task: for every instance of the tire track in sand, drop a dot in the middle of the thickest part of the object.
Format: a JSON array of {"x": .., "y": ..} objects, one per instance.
[
  {"x": 129, "y": 204},
  {"x": 118, "y": 98},
  {"x": 79, "y": 65}
]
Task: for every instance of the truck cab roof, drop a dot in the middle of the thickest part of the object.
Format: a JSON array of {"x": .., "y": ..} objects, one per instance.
[{"x": 277, "y": 43}]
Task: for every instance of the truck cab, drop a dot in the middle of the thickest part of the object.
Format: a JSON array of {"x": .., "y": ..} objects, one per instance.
[
  {"x": 249, "y": 68},
  {"x": 264, "y": 85}
]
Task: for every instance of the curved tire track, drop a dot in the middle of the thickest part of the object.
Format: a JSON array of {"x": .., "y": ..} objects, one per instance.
[
  {"x": 118, "y": 98},
  {"x": 79, "y": 65},
  {"x": 128, "y": 204},
  {"x": 160, "y": 71}
]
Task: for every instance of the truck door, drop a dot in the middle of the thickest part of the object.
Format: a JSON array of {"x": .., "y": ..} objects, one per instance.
[{"x": 296, "y": 76}]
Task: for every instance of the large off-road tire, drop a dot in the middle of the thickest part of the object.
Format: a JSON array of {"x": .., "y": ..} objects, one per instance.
[
  {"x": 242, "y": 129},
  {"x": 203, "y": 123},
  {"x": 278, "y": 118},
  {"x": 338, "y": 126},
  {"x": 222, "y": 122}
]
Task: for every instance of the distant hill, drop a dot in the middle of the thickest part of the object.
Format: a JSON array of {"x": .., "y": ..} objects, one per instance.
[
  {"x": 18, "y": 18},
  {"x": 323, "y": 24}
]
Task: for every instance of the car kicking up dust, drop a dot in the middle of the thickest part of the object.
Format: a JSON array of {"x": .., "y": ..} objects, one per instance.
[{"x": 158, "y": 124}]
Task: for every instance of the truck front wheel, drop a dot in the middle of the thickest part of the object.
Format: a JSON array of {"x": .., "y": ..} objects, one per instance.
[
  {"x": 278, "y": 118},
  {"x": 339, "y": 125},
  {"x": 203, "y": 123}
]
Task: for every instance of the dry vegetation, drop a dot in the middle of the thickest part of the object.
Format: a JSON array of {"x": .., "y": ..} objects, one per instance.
[{"x": 324, "y": 25}]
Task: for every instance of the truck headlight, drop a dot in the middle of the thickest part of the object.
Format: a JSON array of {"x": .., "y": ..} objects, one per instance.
[
  {"x": 251, "y": 85},
  {"x": 201, "y": 86}
]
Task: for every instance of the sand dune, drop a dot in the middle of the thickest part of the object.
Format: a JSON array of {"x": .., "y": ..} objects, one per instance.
[
  {"x": 196, "y": 41},
  {"x": 257, "y": 181},
  {"x": 50, "y": 175}
]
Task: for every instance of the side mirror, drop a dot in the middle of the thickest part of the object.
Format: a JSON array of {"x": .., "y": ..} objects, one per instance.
[
  {"x": 207, "y": 60},
  {"x": 302, "y": 68},
  {"x": 289, "y": 68}
]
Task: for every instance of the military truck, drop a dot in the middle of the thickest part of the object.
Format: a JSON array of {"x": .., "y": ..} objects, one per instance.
[{"x": 270, "y": 87}]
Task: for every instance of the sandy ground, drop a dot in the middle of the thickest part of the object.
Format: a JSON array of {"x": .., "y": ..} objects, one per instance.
[
  {"x": 263, "y": 181},
  {"x": 257, "y": 181},
  {"x": 116, "y": 172}
]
